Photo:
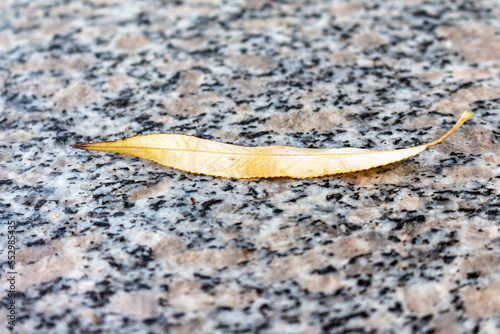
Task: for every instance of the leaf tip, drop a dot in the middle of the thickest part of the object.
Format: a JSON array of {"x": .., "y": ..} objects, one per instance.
[{"x": 81, "y": 146}]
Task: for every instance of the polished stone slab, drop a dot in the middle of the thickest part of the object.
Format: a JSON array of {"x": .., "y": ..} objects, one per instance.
[{"x": 114, "y": 244}]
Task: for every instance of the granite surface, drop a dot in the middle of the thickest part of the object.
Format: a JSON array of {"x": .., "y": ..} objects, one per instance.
[{"x": 109, "y": 243}]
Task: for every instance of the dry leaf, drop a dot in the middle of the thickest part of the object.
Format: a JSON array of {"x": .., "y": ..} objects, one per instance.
[{"x": 209, "y": 157}]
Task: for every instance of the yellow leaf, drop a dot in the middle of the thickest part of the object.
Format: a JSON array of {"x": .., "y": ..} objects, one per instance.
[{"x": 209, "y": 157}]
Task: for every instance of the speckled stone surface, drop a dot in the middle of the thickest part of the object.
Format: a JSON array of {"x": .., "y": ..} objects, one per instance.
[{"x": 114, "y": 244}]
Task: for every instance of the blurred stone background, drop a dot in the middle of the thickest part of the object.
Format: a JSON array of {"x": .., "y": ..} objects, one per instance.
[{"x": 114, "y": 244}]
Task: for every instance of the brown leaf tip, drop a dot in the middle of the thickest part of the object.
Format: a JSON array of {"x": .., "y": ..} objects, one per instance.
[{"x": 81, "y": 146}]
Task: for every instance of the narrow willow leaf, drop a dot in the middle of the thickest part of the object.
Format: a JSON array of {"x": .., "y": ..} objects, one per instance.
[{"x": 209, "y": 157}]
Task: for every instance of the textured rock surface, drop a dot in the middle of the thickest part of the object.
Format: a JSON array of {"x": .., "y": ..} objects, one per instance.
[{"x": 115, "y": 244}]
